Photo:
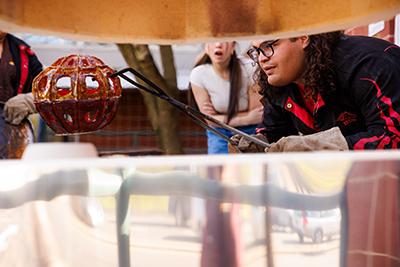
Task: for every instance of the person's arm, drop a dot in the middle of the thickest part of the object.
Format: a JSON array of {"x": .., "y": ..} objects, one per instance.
[
  {"x": 276, "y": 125},
  {"x": 203, "y": 100},
  {"x": 35, "y": 66},
  {"x": 254, "y": 113},
  {"x": 375, "y": 90},
  {"x": 252, "y": 116},
  {"x": 276, "y": 122},
  {"x": 20, "y": 106}
]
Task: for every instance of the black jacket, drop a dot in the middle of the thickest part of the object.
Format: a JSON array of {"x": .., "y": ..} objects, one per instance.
[
  {"x": 26, "y": 63},
  {"x": 366, "y": 105}
]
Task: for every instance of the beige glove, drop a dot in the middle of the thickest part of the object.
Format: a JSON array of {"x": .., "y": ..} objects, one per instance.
[
  {"x": 246, "y": 146},
  {"x": 331, "y": 139},
  {"x": 18, "y": 108}
]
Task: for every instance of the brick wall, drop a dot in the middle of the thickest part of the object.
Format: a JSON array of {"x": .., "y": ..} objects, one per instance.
[
  {"x": 387, "y": 33},
  {"x": 131, "y": 131}
]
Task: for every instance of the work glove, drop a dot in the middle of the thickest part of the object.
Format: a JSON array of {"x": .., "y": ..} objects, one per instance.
[
  {"x": 18, "y": 108},
  {"x": 331, "y": 139},
  {"x": 244, "y": 145}
]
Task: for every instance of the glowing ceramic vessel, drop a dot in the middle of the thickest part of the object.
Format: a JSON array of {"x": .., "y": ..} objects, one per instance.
[{"x": 76, "y": 95}]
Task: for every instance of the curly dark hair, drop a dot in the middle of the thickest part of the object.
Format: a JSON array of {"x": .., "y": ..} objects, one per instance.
[{"x": 319, "y": 73}]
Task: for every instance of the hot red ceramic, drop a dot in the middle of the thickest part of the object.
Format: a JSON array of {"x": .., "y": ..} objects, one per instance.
[{"x": 76, "y": 95}]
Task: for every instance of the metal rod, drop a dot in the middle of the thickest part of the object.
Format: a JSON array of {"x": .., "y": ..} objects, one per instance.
[
  {"x": 187, "y": 109},
  {"x": 194, "y": 118}
]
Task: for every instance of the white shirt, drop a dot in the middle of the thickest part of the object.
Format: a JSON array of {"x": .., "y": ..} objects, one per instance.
[{"x": 204, "y": 76}]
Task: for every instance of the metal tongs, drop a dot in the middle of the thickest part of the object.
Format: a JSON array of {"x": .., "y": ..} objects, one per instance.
[{"x": 194, "y": 114}]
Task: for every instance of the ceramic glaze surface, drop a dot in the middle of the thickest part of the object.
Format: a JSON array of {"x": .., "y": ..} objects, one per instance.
[{"x": 76, "y": 95}]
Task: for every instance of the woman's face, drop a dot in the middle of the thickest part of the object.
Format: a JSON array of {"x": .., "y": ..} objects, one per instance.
[
  {"x": 287, "y": 63},
  {"x": 220, "y": 52}
]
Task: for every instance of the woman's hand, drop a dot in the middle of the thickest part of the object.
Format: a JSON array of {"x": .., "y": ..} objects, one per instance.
[
  {"x": 254, "y": 116},
  {"x": 250, "y": 117}
]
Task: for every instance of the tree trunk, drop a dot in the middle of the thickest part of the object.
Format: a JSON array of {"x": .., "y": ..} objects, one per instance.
[{"x": 163, "y": 116}]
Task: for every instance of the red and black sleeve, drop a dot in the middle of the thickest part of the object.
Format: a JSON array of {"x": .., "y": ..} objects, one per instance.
[{"x": 375, "y": 89}]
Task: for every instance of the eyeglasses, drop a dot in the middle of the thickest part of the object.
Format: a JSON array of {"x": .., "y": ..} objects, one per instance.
[{"x": 266, "y": 48}]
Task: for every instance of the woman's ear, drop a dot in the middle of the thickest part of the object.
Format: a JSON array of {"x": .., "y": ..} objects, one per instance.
[{"x": 305, "y": 41}]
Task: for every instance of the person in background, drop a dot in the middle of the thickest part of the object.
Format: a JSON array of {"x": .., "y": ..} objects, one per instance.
[
  {"x": 18, "y": 66},
  {"x": 222, "y": 88},
  {"x": 329, "y": 91}
]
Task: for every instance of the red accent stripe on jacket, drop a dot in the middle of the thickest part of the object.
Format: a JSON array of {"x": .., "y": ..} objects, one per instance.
[
  {"x": 24, "y": 68},
  {"x": 389, "y": 47},
  {"x": 320, "y": 103},
  {"x": 395, "y": 143},
  {"x": 393, "y": 115},
  {"x": 385, "y": 141},
  {"x": 300, "y": 113},
  {"x": 362, "y": 142},
  {"x": 310, "y": 105}
]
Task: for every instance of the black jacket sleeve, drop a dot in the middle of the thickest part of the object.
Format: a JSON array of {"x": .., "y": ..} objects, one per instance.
[
  {"x": 276, "y": 122},
  {"x": 35, "y": 67},
  {"x": 375, "y": 89}
]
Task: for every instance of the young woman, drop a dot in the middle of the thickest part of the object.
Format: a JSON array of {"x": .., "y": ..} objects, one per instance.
[{"x": 222, "y": 88}]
